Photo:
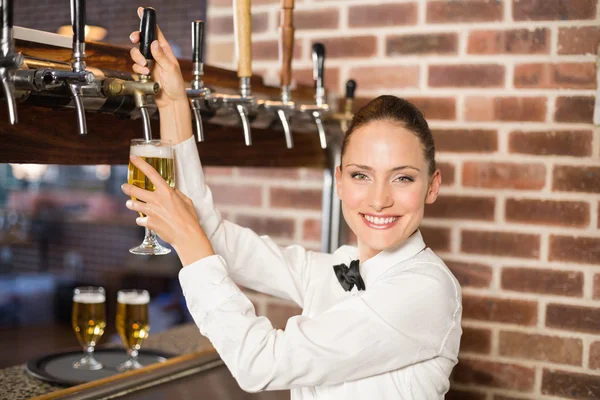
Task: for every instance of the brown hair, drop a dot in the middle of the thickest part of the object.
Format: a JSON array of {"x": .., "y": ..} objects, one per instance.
[{"x": 400, "y": 111}]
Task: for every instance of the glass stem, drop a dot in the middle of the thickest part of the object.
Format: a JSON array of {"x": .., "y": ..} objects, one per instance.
[
  {"x": 133, "y": 356},
  {"x": 89, "y": 352}
]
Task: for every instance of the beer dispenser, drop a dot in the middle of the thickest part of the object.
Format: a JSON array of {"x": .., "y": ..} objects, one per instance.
[
  {"x": 318, "y": 110},
  {"x": 284, "y": 108},
  {"x": 198, "y": 94},
  {"x": 10, "y": 60},
  {"x": 145, "y": 86}
]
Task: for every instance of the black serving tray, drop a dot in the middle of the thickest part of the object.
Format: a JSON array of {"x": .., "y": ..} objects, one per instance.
[{"x": 58, "y": 367}]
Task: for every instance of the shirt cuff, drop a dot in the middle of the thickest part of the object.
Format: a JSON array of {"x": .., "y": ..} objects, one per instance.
[{"x": 206, "y": 286}]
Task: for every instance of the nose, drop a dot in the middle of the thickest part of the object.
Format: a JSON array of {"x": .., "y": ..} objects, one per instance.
[{"x": 380, "y": 196}]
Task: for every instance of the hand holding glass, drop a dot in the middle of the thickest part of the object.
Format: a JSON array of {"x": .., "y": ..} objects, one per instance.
[
  {"x": 88, "y": 320},
  {"x": 159, "y": 154},
  {"x": 132, "y": 324}
]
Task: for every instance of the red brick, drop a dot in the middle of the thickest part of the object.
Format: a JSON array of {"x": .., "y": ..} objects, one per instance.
[
  {"x": 349, "y": 46},
  {"x": 553, "y": 349},
  {"x": 578, "y": 40},
  {"x": 311, "y": 229},
  {"x": 228, "y": 194},
  {"x": 540, "y": 10},
  {"x": 520, "y": 312},
  {"x": 506, "y": 109},
  {"x": 548, "y": 212},
  {"x": 532, "y": 280},
  {"x": 447, "y": 171},
  {"x": 219, "y": 52},
  {"x": 570, "y": 384},
  {"x": 466, "y": 76},
  {"x": 313, "y": 174},
  {"x": 559, "y": 143},
  {"x": 556, "y": 76},
  {"x": 507, "y": 244},
  {"x": 465, "y": 140},
  {"x": 296, "y": 198},
  {"x": 327, "y": 18},
  {"x": 464, "y": 11},
  {"x": 579, "y": 249},
  {"x": 224, "y": 25},
  {"x": 442, "y": 108},
  {"x": 573, "y": 318},
  {"x": 270, "y": 172},
  {"x": 474, "y": 340},
  {"x": 398, "y": 76},
  {"x": 378, "y": 15},
  {"x": 516, "y": 41},
  {"x": 471, "y": 274},
  {"x": 217, "y": 171},
  {"x": 279, "y": 313},
  {"x": 462, "y": 207},
  {"x": 494, "y": 374},
  {"x": 595, "y": 355},
  {"x": 436, "y": 238},
  {"x": 497, "y": 175},
  {"x": 274, "y": 227},
  {"x": 435, "y": 43},
  {"x": 269, "y": 50},
  {"x": 331, "y": 78},
  {"x": 574, "y": 109},
  {"x": 569, "y": 178},
  {"x": 455, "y": 394}
]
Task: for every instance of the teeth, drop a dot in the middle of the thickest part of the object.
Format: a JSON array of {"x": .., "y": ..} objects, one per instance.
[{"x": 379, "y": 220}]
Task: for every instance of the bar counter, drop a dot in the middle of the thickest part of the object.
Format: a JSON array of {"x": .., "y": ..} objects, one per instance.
[{"x": 17, "y": 384}]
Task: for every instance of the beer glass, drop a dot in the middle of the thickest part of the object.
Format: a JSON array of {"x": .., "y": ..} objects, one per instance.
[
  {"x": 133, "y": 325},
  {"x": 159, "y": 154},
  {"x": 89, "y": 320}
]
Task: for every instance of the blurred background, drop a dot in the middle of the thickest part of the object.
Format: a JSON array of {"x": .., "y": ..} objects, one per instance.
[{"x": 508, "y": 87}]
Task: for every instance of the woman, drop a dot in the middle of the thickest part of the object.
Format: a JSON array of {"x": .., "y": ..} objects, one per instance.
[{"x": 391, "y": 332}]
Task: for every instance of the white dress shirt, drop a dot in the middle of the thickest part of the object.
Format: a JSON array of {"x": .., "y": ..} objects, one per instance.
[{"x": 398, "y": 339}]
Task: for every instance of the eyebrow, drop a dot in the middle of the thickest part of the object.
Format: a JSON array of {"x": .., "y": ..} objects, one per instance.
[{"x": 399, "y": 168}]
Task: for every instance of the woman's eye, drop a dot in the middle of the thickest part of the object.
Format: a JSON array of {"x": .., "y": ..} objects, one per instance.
[
  {"x": 405, "y": 179},
  {"x": 359, "y": 176}
]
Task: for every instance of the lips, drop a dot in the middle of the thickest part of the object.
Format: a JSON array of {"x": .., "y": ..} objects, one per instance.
[{"x": 380, "y": 222}]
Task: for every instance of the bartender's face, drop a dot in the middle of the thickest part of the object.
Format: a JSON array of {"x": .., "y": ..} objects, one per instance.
[{"x": 384, "y": 184}]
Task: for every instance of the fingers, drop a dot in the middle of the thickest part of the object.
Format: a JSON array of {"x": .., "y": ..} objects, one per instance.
[
  {"x": 136, "y": 192},
  {"x": 135, "y": 37},
  {"x": 162, "y": 59},
  {"x": 138, "y": 58},
  {"x": 156, "y": 179}
]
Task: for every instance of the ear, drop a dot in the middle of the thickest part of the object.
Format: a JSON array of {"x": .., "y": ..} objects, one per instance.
[
  {"x": 338, "y": 181},
  {"x": 434, "y": 187}
]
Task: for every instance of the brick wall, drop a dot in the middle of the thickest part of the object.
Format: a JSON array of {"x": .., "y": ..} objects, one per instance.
[{"x": 508, "y": 88}]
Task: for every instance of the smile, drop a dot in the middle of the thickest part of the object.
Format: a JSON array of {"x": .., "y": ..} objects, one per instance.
[{"x": 384, "y": 222}]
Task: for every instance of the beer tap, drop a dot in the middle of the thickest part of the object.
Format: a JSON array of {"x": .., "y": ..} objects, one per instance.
[
  {"x": 198, "y": 93},
  {"x": 243, "y": 102},
  {"x": 145, "y": 86},
  {"x": 320, "y": 108},
  {"x": 345, "y": 117},
  {"x": 10, "y": 60},
  {"x": 285, "y": 107}
]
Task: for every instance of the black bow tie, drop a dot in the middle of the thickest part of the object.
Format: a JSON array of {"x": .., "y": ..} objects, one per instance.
[{"x": 349, "y": 277}]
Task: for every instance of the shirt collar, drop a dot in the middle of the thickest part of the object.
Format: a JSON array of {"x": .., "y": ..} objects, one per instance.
[{"x": 375, "y": 266}]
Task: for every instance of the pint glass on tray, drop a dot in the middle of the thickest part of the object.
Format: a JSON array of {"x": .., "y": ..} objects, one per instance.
[
  {"x": 159, "y": 154},
  {"x": 132, "y": 324},
  {"x": 89, "y": 321}
]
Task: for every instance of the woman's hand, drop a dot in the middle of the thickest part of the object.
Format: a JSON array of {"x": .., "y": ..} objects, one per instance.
[
  {"x": 170, "y": 214},
  {"x": 166, "y": 69}
]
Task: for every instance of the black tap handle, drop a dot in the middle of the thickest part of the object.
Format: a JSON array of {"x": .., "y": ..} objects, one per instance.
[
  {"x": 318, "y": 56},
  {"x": 78, "y": 20},
  {"x": 350, "y": 88},
  {"x": 197, "y": 40},
  {"x": 6, "y": 8},
  {"x": 147, "y": 32}
]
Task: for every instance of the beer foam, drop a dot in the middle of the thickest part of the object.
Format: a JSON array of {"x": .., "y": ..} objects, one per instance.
[
  {"x": 89, "y": 298},
  {"x": 133, "y": 298},
  {"x": 148, "y": 150}
]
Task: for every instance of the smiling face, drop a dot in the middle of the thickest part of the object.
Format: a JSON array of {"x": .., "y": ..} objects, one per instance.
[{"x": 384, "y": 184}]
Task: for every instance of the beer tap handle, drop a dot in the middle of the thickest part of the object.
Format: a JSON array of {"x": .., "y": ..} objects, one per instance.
[
  {"x": 78, "y": 20},
  {"x": 147, "y": 34},
  {"x": 198, "y": 71},
  {"x": 318, "y": 56},
  {"x": 243, "y": 30},
  {"x": 197, "y": 41},
  {"x": 286, "y": 46},
  {"x": 350, "y": 89},
  {"x": 78, "y": 64}
]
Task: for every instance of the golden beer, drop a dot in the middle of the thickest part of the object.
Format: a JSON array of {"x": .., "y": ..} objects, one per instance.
[
  {"x": 133, "y": 325},
  {"x": 89, "y": 317}
]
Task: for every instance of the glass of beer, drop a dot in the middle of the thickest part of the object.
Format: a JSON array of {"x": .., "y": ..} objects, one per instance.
[
  {"x": 159, "y": 154},
  {"x": 88, "y": 320},
  {"x": 133, "y": 325}
]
